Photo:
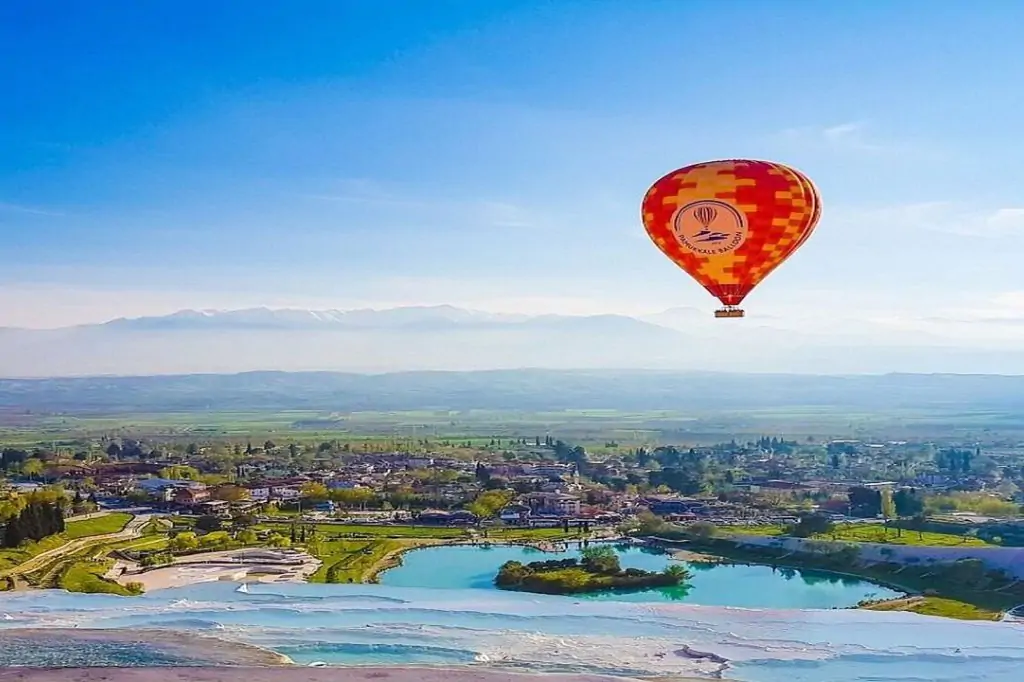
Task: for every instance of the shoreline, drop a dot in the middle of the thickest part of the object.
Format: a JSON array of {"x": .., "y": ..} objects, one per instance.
[
  {"x": 723, "y": 558},
  {"x": 393, "y": 558},
  {"x": 309, "y": 674},
  {"x": 196, "y": 648}
]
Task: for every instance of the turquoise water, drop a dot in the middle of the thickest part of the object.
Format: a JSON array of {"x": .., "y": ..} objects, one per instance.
[
  {"x": 467, "y": 567},
  {"x": 362, "y": 624}
]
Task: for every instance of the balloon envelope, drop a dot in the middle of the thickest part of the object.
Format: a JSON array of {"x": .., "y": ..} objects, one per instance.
[{"x": 731, "y": 223}]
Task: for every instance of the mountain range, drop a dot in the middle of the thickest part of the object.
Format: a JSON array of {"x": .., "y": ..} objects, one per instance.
[{"x": 446, "y": 338}]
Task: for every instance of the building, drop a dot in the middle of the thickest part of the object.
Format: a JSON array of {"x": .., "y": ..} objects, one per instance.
[
  {"x": 554, "y": 504},
  {"x": 668, "y": 506},
  {"x": 190, "y": 496},
  {"x": 515, "y": 513},
  {"x": 551, "y": 470},
  {"x": 214, "y": 508},
  {"x": 259, "y": 493},
  {"x": 285, "y": 493},
  {"x": 438, "y": 517}
]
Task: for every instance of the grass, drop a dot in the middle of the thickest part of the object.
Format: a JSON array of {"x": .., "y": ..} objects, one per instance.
[
  {"x": 101, "y": 525},
  {"x": 357, "y": 530},
  {"x": 10, "y": 558},
  {"x": 590, "y": 427},
  {"x": 428, "y": 532},
  {"x": 937, "y": 606},
  {"x": 111, "y": 523},
  {"x": 87, "y": 576},
  {"x": 878, "y": 533},
  {"x": 873, "y": 532},
  {"x": 348, "y": 561}
]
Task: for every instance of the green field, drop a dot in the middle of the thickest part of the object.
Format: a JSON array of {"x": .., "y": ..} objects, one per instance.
[
  {"x": 593, "y": 428},
  {"x": 101, "y": 525},
  {"x": 938, "y": 606},
  {"x": 871, "y": 532},
  {"x": 9, "y": 558},
  {"x": 347, "y": 561},
  {"x": 429, "y": 532}
]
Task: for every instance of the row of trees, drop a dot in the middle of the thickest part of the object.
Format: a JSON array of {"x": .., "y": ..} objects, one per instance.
[
  {"x": 871, "y": 503},
  {"x": 35, "y": 522}
]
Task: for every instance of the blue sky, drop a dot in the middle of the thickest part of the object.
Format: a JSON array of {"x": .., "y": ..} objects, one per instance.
[{"x": 164, "y": 155}]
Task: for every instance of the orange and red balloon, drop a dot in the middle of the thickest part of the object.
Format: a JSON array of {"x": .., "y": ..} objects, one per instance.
[{"x": 731, "y": 223}]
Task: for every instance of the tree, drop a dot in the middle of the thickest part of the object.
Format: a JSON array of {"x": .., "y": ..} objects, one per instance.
[
  {"x": 32, "y": 468},
  {"x": 865, "y": 502},
  {"x": 702, "y": 530},
  {"x": 183, "y": 542},
  {"x": 907, "y": 502},
  {"x": 918, "y": 523},
  {"x": 350, "y": 498},
  {"x": 811, "y": 525},
  {"x": 489, "y": 503},
  {"x": 208, "y": 523},
  {"x": 230, "y": 493},
  {"x": 888, "y": 507},
  {"x": 315, "y": 492},
  {"x": 179, "y": 472},
  {"x": 276, "y": 540},
  {"x": 650, "y": 523},
  {"x": 600, "y": 559}
]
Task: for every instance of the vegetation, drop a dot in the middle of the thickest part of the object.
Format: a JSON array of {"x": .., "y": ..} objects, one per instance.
[
  {"x": 100, "y": 525},
  {"x": 597, "y": 570},
  {"x": 934, "y": 606},
  {"x": 86, "y": 576},
  {"x": 35, "y": 521},
  {"x": 860, "y": 532}
]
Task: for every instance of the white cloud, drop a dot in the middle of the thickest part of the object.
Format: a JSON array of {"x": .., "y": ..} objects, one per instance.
[
  {"x": 849, "y": 136},
  {"x": 478, "y": 212},
  {"x": 959, "y": 218},
  {"x": 28, "y": 210}
]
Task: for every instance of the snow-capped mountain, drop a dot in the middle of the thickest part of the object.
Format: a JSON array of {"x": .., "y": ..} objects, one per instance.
[{"x": 450, "y": 338}]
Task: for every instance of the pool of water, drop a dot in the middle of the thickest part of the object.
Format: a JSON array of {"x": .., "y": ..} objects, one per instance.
[{"x": 468, "y": 567}]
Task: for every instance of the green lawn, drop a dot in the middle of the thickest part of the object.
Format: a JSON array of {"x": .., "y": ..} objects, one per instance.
[
  {"x": 753, "y": 530},
  {"x": 101, "y": 525},
  {"x": 867, "y": 532},
  {"x": 359, "y": 530},
  {"x": 373, "y": 531},
  {"x": 871, "y": 532},
  {"x": 9, "y": 558},
  {"x": 347, "y": 561},
  {"x": 86, "y": 576},
  {"x": 938, "y": 606}
]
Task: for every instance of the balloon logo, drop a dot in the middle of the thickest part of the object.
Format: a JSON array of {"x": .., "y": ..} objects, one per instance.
[
  {"x": 729, "y": 224},
  {"x": 705, "y": 214}
]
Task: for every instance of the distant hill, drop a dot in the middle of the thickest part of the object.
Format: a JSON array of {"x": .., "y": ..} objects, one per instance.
[
  {"x": 530, "y": 390},
  {"x": 446, "y": 338}
]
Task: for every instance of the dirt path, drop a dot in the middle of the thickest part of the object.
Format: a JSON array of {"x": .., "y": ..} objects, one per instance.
[{"x": 132, "y": 530}]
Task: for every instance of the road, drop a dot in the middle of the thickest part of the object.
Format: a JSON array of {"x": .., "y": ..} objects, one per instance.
[{"x": 132, "y": 530}]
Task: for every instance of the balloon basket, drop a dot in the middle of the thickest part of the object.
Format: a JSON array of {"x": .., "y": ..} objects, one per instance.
[{"x": 729, "y": 311}]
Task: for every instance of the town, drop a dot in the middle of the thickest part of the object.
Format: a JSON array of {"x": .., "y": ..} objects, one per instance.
[{"x": 535, "y": 482}]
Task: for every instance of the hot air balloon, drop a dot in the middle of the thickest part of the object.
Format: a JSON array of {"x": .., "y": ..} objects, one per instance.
[{"x": 731, "y": 223}]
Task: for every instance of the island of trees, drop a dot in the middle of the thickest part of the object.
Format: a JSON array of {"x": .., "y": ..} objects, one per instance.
[{"x": 596, "y": 570}]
